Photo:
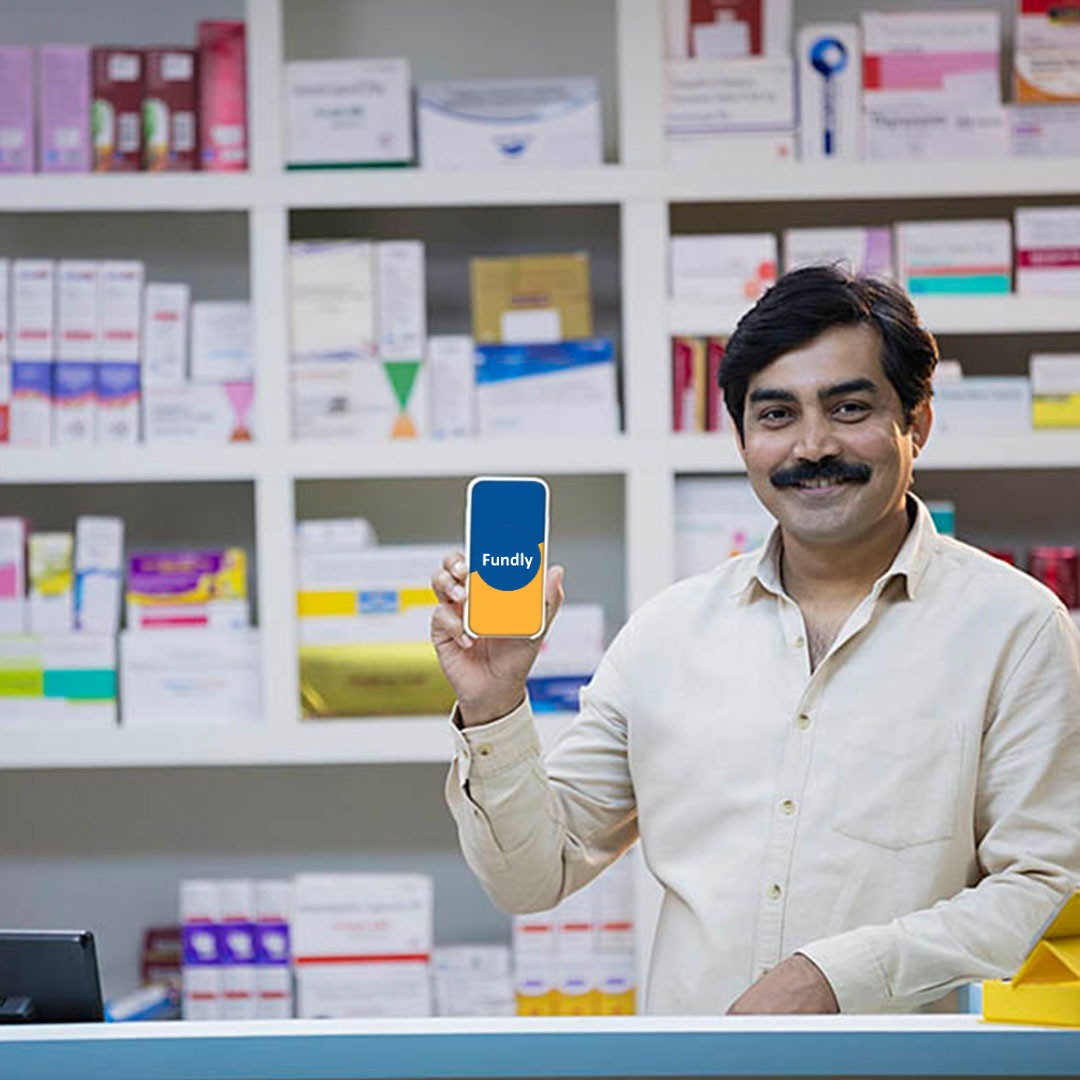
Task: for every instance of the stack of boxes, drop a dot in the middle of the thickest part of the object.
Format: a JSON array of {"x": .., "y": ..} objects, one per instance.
[
  {"x": 92, "y": 355},
  {"x": 110, "y": 109}
]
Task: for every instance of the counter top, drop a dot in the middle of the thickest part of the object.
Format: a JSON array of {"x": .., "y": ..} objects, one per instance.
[{"x": 538, "y": 1047}]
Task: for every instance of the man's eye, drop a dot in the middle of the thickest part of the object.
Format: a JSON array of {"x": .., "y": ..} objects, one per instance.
[
  {"x": 850, "y": 409},
  {"x": 773, "y": 415}
]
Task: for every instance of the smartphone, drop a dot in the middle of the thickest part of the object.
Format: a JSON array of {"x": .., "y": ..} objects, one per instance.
[{"x": 506, "y": 541}]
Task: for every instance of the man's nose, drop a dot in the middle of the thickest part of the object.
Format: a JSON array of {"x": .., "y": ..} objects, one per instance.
[{"x": 816, "y": 439}]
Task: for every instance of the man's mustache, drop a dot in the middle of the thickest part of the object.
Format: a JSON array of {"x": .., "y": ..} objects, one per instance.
[{"x": 855, "y": 472}]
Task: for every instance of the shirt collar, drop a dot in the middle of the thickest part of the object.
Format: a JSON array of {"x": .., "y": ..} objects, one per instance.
[{"x": 762, "y": 568}]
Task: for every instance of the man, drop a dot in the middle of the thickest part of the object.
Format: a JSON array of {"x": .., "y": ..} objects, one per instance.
[{"x": 852, "y": 757}]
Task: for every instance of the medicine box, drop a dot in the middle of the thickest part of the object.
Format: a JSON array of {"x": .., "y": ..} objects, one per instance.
[
  {"x": 117, "y": 109},
  {"x": 51, "y": 575},
  {"x": 954, "y": 257},
  {"x": 190, "y": 678},
  {"x": 206, "y": 414},
  {"x": 200, "y": 918},
  {"x": 451, "y": 386},
  {"x": 858, "y": 250},
  {"x": 13, "y": 604},
  {"x": 719, "y": 97},
  {"x": 238, "y": 981},
  {"x": 31, "y": 404},
  {"x": 58, "y": 681},
  {"x": 528, "y": 391},
  {"x": 5, "y": 403},
  {"x": 33, "y": 292},
  {"x": 731, "y": 28},
  {"x": 1045, "y": 130},
  {"x": 1048, "y": 250},
  {"x": 362, "y": 945},
  {"x": 509, "y": 123},
  {"x": 735, "y": 267},
  {"x": 1055, "y": 389},
  {"x": 332, "y": 295},
  {"x": 222, "y": 342},
  {"x": 205, "y": 589},
  {"x": 273, "y": 949},
  {"x": 16, "y": 109},
  {"x": 943, "y": 132},
  {"x": 568, "y": 657},
  {"x": 222, "y": 67},
  {"x": 165, "y": 335},
  {"x": 829, "y": 57},
  {"x": 532, "y": 298},
  {"x": 983, "y": 405},
  {"x": 402, "y": 300},
  {"x": 5, "y": 311},
  {"x": 64, "y": 80},
  {"x": 170, "y": 118},
  {"x": 348, "y": 112},
  {"x": 1047, "y": 76},
  {"x": 99, "y": 562}
]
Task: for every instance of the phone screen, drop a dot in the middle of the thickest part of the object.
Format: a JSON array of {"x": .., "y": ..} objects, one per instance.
[{"x": 506, "y": 539}]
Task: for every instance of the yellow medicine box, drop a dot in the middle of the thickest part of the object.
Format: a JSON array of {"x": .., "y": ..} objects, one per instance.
[{"x": 1046, "y": 989}]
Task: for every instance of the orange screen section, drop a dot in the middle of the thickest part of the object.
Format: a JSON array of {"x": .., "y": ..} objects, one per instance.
[{"x": 508, "y": 614}]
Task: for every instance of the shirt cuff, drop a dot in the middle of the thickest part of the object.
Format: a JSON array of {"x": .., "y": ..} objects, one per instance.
[
  {"x": 488, "y": 749},
  {"x": 849, "y": 963}
]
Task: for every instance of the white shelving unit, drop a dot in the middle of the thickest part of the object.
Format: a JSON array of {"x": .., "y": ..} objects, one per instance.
[{"x": 647, "y": 458}]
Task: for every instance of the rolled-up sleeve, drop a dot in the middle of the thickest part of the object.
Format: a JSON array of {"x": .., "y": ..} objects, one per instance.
[
  {"x": 535, "y": 829},
  {"x": 1027, "y": 827}
]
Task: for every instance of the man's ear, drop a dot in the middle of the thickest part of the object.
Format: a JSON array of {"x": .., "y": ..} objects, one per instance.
[{"x": 922, "y": 420}]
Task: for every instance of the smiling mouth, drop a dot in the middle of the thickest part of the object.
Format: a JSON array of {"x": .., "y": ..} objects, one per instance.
[{"x": 821, "y": 484}]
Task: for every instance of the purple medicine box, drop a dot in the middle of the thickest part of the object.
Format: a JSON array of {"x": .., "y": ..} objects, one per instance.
[
  {"x": 64, "y": 108},
  {"x": 16, "y": 109}
]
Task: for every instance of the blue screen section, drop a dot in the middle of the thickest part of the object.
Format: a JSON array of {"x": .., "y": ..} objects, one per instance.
[
  {"x": 507, "y": 523},
  {"x": 498, "y": 363}
]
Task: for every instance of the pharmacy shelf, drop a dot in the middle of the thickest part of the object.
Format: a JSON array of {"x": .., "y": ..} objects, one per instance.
[
  {"x": 133, "y": 192},
  {"x": 134, "y": 464},
  {"x": 510, "y": 187},
  {"x": 716, "y": 453},
  {"x": 941, "y": 314},
  {"x": 871, "y": 180},
  {"x": 392, "y": 740}
]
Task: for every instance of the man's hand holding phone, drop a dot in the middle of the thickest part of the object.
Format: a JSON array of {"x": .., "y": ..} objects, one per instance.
[{"x": 488, "y": 674}]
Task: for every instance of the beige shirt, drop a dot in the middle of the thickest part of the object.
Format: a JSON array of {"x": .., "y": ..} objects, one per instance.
[{"x": 907, "y": 815}]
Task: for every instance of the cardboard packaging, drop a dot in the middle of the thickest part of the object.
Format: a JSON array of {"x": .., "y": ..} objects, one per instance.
[
  {"x": 982, "y": 406},
  {"x": 929, "y": 58},
  {"x": 402, "y": 300},
  {"x": 51, "y": 558},
  {"x": 719, "y": 29},
  {"x": 60, "y": 681},
  {"x": 200, "y": 916},
  {"x": 360, "y": 400},
  {"x": 1046, "y": 989},
  {"x": 165, "y": 335},
  {"x": 829, "y": 56},
  {"x": 273, "y": 950},
  {"x": 954, "y": 257},
  {"x": 13, "y": 603},
  {"x": 510, "y": 123},
  {"x": 5, "y": 311},
  {"x": 944, "y": 132},
  {"x": 362, "y": 944},
  {"x": 1048, "y": 24},
  {"x": 1048, "y": 251},
  {"x": 348, "y": 112},
  {"x": 532, "y": 298},
  {"x": 1045, "y": 130},
  {"x": 1047, "y": 76},
  {"x": 184, "y": 589},
  {"x": 717, "y": 151},
  {"x": 529, "y": 391},
  {"x": 738, "y": 97},
  {"x": 99, "y": 561},
  {"x": 170, "y": 120},
  {"x": 222, "y": 66},
  {"x": 117, "y": 110},
  {"x": 117, "y": 374},
  {"x": 734, "y": 267},
  {"x": 334, "y": 535},
  {"x": 688, "y": 360},
  {"x": 238, "y": 948},
  {"x": 203, "y": 414},
  {"x": 190, "y": 677},
  {"x": 473, "y": 980},
  {"x": 1055, "y": 389},
  {"x": 64, "y": 81},
  {"x": 452, "y": 386},
  {"x": 5, "y": 403},
  {"x": 16, "y": 109},
  {"x": 33, "y": 352},
  {"x": 859, "y": 250},
  {"x": 332, "y": 292},
  {"x": 568, "y": 657},
  {"x": 78, "y": 346},
  {"x": 31, "y": 404},
  {"x": 716, "y": 518},
  {"x": 222, "y": 342}
]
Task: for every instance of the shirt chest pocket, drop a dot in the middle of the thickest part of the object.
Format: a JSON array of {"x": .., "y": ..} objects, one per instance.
[{"x": 899, "y": 786}]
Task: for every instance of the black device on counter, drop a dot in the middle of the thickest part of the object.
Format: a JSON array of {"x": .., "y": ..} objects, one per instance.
[{"x": 49, "y": 977}]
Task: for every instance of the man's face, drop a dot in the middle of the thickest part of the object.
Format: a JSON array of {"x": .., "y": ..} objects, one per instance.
[{"x": 825, "y": 442}]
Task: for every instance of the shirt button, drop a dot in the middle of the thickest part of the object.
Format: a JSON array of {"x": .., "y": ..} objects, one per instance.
[
  {"x": 775, "y": 892},
  {"x": 787, "y": 807},
  {"x": 799, "y": 642},
  {"x": 803, "y": 721},
  {"x": 484, "y": 749}
]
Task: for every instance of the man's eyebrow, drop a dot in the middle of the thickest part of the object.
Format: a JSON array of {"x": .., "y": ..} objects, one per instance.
[
  {"x": 765, "y": 394},
  {"x": 852, "y": 386}
]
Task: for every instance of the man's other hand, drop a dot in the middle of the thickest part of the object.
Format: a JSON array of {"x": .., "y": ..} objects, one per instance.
[{"x": 794, "y": 986}]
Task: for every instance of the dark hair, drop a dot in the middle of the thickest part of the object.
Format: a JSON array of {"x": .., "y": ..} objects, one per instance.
[{"x": 804, "y": 304}]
